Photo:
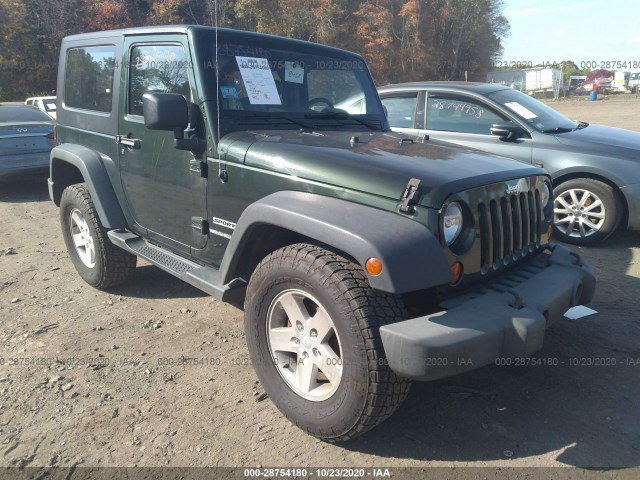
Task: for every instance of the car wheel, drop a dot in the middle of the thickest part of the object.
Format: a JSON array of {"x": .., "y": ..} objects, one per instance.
[
  {"x": 100, "y": 263},
  {"x": 312, "y": 324},
  {"x": 585, "y": 211}
]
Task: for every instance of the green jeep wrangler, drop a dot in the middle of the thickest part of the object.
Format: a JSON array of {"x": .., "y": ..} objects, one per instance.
[{"x": 363, "y": 259}]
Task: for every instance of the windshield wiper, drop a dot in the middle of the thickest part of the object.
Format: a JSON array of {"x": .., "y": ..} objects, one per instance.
[
  {"x": 558, "y": 130},
  {"x": 582, "y": 125},
  {"x": 342, "y": 114}
]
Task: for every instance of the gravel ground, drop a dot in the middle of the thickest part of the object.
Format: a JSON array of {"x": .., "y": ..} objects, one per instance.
[{"x": 155, "y": 373}]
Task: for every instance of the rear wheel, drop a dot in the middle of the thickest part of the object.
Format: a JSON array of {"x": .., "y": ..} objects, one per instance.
[
  {"x": 585, "y": 211},
  {"x": 312, "y": 324},
  {"x": 99, "y": 262}
]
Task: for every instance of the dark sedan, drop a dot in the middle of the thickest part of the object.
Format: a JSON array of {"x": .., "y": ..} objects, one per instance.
[
  {"x": 595, "y": 169},
  {"x": 26, "y": 139}
]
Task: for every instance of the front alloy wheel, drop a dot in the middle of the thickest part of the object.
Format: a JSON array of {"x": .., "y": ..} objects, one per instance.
[
  {"x": 312, "y": 322},
  {"x": 585, "y": 211},
  {"x": 305, "y": 345},
  {"x": 579, "y": 213}
]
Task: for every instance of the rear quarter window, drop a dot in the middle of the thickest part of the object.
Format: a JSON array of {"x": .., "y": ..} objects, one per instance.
[{"x": 89, "y": 78}]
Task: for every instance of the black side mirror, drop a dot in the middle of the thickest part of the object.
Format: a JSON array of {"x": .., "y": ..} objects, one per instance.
[
  {"x": 165, "y": 111},
  {"x": 170, "y": 111},
  {"x": 506, "y": 131}
]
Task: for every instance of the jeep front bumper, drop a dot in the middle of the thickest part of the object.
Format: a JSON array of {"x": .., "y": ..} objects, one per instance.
[{"x": 504, "y": 320}]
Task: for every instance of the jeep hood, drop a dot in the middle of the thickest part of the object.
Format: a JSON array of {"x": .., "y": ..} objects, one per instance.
[{"x": 379, "y": 163}]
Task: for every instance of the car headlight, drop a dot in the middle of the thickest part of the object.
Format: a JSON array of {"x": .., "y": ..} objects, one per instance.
[
  {"x": 452, "y": 222},
  {"x": 545, "y": 194}
]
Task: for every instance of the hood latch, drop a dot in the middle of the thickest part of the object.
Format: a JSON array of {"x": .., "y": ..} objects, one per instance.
[{"x": 410, "y": 196}]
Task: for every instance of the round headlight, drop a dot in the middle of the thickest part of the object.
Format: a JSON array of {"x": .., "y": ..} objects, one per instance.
[
  {"x": 452, "y": 222},
  {"x": 545, "y": 194}
]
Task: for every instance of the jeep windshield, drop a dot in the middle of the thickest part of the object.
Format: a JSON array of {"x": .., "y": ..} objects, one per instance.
[{"x": 283, "y": 84}]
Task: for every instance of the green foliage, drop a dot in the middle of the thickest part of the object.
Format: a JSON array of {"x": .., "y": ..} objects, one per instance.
[{"x": 402, "y": 40}]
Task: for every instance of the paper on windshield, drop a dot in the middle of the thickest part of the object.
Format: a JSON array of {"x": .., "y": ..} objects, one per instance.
[
  {"x": 258, "y": 81},
  {"x": 521, "y": 110},
  {"x": 293, "y": 72}
]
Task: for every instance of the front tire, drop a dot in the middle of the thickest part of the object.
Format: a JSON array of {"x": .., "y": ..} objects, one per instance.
[
  {"x": 585, "y": 211},
  {"x": 99, "y": 262},
  {"x": 312, "y": 323}
]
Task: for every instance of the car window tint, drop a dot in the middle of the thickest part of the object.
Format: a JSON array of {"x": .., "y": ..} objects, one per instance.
[
  {"x": 22, "y": 114},
  {"x": 460, "y": 114},
  {"x": 157, "y": 69},
  {"x": 89, "y": 78},
  {"x": 401, "y": 109}
]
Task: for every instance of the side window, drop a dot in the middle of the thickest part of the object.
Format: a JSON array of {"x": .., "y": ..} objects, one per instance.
[
  {"x": 401, "y": 109},
  {"x": 451, "y": 113},
  {"x": 88, "y": 76},
  {"x": 159, "y": 69}
]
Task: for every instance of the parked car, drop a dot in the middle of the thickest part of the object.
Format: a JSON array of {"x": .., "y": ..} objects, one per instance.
[
  {"x": 595, "y": 169},
  {"x": 46, "y": 104},
  {"x": 353, "y": 249},
  {"x": 26, "y": 140}
]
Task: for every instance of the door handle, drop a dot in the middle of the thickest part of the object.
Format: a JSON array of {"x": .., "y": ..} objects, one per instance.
[{"x": 132, "y": 143}]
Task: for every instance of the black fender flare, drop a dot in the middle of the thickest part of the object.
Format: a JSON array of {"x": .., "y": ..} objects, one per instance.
[
  {"x": 412, "y": 257},
  {"x": 91, "y": 167}
]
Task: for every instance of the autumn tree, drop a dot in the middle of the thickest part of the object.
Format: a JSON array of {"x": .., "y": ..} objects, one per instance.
[
  {"x": 375, "y": 37},
  {"x": 402, "y": 40}
]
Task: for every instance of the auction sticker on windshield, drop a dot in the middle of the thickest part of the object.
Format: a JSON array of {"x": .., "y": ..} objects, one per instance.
[
  {"x": 521, "y": 110},
  {"x": 293, "y": 72},
  {"x": 258, "y": 81}
]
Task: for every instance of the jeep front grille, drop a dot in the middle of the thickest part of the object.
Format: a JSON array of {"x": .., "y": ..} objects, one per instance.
[{"x": 509, "y": 228}]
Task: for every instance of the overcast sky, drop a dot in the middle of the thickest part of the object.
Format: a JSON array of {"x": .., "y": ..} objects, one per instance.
[{"x": 555, "y": 30}]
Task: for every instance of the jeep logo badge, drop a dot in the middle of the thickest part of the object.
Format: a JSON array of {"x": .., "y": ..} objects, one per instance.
[{"x": 513, "y": 189}]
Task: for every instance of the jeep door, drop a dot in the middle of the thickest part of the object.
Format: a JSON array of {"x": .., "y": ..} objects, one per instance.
[{"x": 163, "y": 190}]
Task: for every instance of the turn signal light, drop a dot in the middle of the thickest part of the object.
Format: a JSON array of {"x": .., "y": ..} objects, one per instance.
[
  {"x": 456, "y": 270},
  {"x": 549, "y": 231},
  {"x": 373, "y": 266}
]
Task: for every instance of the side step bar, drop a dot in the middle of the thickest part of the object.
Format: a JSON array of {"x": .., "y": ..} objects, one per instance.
[{"x": 202, "y": 277}]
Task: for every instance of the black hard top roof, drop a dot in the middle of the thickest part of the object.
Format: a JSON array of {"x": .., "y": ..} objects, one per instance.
[{"x": 196, "y": 29}]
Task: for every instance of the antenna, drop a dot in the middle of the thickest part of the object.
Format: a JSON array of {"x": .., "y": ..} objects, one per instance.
[{"x": 222, "y": 175}]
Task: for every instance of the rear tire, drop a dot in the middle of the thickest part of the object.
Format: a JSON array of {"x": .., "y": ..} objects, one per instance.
[
  {"x": 312, "y": 323},
  {"x": 586, "y": 211},
  {"x": 98, "y": 261}
]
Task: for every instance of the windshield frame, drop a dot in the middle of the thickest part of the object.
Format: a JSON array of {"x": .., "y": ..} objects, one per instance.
[{"x": 546, "y": 119}]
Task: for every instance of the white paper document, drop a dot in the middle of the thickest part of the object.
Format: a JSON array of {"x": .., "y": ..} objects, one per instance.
[
  {"x": 576, "y": 313},
  {"x": 521, "y": 110},
  {"x": 293, "y": 72},
  {"x": 258, "y": 81}
]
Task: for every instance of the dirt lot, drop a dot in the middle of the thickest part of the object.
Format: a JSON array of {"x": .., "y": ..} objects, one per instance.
[
  {"x": 93, "y": 378},
  {"x": 614, "y": 110}
]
